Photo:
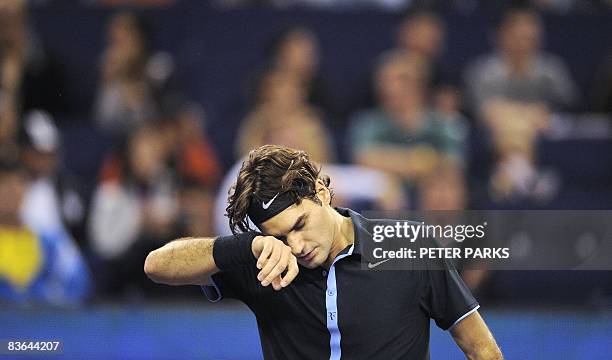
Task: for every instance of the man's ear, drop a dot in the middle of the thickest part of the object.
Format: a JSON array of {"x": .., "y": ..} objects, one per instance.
[{"x": 323, "y": 192}]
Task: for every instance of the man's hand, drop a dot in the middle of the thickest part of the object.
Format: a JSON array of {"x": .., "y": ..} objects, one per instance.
[{"x": 273, "y": 258}]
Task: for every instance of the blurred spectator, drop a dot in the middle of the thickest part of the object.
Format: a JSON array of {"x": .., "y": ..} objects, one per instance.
[
  {"x": 444, "y": 189},
  {"x": 402, "y": 135},
  {"x": 422, "y": 33},
  {"x": 513, "y": 91},
  {"x": 186, "y": 147},
  {"x": 29, "y": 76},
  {"x": 193, "y": 162},
  {"x": 282, "y": 116},
  {"x": 295, "y": 51},
  {"x": 135, "y": 84},
  {"x": 53, "y": 200},
  {"x": 518, "y": 71},
  {"x": 133, "y": 213},
  {"x": 197, "y": 167},
  {"x": 36, "y": 265},
  {"x": 190, "y": 151}
]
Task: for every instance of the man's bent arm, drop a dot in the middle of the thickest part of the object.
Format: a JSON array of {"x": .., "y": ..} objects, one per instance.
[
  {"x": 475, "y": 339},
  {"x": 187, "y": 261}
]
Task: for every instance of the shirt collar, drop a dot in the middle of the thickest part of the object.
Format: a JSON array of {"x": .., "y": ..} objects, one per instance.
[{"x": 362, "y": 232}]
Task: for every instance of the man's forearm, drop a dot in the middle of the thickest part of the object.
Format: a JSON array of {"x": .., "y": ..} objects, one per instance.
[
  {"x": 187, "y": 261},
  {"x": 475, "y": 339},
  {"x": 487, "y": 352}
]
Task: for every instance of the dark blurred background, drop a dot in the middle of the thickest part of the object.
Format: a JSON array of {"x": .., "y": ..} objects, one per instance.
[{"x": 122, "y": 124}]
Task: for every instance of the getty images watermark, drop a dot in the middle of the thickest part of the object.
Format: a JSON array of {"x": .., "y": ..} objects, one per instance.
[
  {"x": 494, "y": 240},
  {"x": 439, "y": 235}
]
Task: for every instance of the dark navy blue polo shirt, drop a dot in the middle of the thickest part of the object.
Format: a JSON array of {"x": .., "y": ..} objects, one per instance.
[{"x": 347, "y": 311}]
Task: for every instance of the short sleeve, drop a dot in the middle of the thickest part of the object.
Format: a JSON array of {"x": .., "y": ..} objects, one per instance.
[
  {"x": 240, "y": 284},
  {"x": 445, "y": 297}
]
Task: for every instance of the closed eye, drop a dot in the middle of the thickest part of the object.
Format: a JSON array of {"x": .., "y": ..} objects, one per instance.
[{"x": 299, "y": 225}]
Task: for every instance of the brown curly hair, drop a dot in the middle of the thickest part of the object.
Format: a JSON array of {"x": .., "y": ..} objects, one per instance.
[{"x": 270, "y": 170}]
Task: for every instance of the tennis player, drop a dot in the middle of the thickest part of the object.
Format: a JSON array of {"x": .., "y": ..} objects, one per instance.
[{"x": 302, "y": 276}]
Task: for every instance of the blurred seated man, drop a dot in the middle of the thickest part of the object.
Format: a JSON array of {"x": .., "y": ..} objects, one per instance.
[
  {"x": 403, "y": 136},
  {"x": 35, "y": 265},
  {"x": 518, "y": 70},
  {"x": 512, "y": 91}
]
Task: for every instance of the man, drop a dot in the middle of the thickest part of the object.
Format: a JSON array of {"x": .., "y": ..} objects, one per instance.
[
  {"x": 303, "y": 277},
  {"x": 513, "y": 91},
  {"x": 518, "y": 70},
  {"x": 403, "y": 135}
]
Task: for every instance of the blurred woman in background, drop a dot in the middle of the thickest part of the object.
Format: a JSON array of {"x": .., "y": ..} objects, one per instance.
[
  {"x": 134, "y": 81},
  {"x": 133, "y": 211},
  {"x": 283, "y": 116}
]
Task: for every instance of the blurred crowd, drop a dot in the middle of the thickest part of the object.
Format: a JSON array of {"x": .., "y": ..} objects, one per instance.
[
  {"x": 463, "y": 6},
  {"x": 407, "y": 140}
]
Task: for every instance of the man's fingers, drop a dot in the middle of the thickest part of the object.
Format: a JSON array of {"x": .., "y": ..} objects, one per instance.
[
  {"x": 292, "y": 272},
  {"x": 276, "y": 258},
  {"x": 276, "y": 283},
  {"x": 265, "y": 253},
  {"x": 269, "y": 264},
  {"x": 281, "y": 265}
]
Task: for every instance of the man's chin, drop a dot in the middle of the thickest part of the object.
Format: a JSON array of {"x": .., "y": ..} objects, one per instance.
[{"x": 308, "y": 264}]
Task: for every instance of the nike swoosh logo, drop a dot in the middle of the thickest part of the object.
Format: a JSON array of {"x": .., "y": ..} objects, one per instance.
[
  {"x": 265, "y": 206},
  {"x": 372, "y": 266}
]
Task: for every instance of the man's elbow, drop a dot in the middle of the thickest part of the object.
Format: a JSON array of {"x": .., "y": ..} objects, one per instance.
[{"x": 153, "y": 268}]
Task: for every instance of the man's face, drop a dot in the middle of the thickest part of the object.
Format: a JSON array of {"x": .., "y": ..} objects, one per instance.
[
  {"x": 522, "y": 35},
  {"x": 399, "y": 84},
  {"x": 424, "y": 35},
  {"x": 300, "y": 52},
  {"x": 12, "y": 189},
  {"x": 308, "y": 228}
]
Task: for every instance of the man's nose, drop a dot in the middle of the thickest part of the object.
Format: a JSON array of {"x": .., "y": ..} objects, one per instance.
[{"x": 295, "y": 243}]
